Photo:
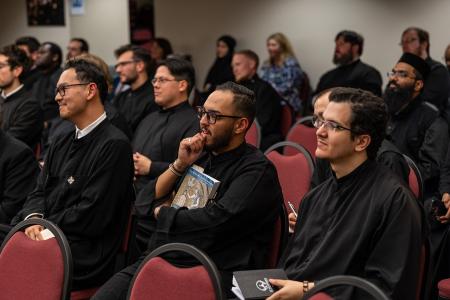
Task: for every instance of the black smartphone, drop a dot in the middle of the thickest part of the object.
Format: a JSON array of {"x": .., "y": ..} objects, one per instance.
[{"x": 438, "y": 207}]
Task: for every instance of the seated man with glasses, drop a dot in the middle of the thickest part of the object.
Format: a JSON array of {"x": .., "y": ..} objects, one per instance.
[
  {"x": 235, "y": 228},
  {"x": 86, "y": 184},
  {"x": 135, "y": 68},
  {"x": 156, "y": 141},
  {"x": 363, "y": 220}
]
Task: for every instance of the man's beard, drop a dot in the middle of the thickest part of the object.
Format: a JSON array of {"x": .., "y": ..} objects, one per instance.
[
  {"x": 220, "y": 141},
  {"x": 130, "y": 80},
  {"x": 397, "y": 98},
  {"x": 345, "y": 59}
]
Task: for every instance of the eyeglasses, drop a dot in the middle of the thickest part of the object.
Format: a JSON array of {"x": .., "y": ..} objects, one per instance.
[
  {"x": 211, "y": 116},
  {"x": 329, "y": 125},
  {"x": 61, "y": 90},
  {"x": 162, "y": 80},
  {"x": 123, "y": 63},
  {"x": 399, "y": 74},
  {"x": 407, "y": 41}
]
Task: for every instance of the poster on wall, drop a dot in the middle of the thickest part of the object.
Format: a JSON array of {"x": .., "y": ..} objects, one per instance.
[
  {"x": 45, "y": 12},
  {"x": 77, "y": 7}
]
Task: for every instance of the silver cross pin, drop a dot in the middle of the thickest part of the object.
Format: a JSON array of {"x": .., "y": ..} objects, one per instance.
[{"x": 70, "y": 180}]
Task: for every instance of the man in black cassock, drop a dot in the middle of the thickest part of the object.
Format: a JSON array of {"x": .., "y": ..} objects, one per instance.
[
  {"x": 85, "y": 186},
  {"x": 18, "y": 173},
  {"x": 436, "y": 88},
  {"x": 20, "y": 114},
  {"x": 415, "y": 126},
  {"x": 268, "y": 101},
  {"x": 363, "y": 221},
  {"x": 350, "y": 70},
  {"x": 30, "y": 45},
  {"x": 134, "y": 69},
  {"x": 158, "y": 136},
  {"x": 234, "y": 228}
]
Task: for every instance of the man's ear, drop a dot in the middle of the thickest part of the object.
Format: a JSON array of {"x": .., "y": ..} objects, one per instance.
[
  {"x": 362, "y": 142},
  {"x": 241, "y": 126},
  {"x": 140, "y": 66},
  {"x": 17, "y": 71},
  {"x": 418, "y": 85},
  {"x": 183, "y": 86},
  {"x": 92, "y": 90}
]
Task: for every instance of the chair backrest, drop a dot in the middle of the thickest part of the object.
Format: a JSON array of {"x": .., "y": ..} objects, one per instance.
[
  {"x": 32, "y": 269},
  {"x": 287, "y": 117},
  {"x": 158, "y": 279},
  {"x": 279, "y": 238},
  {"x": 345, "y": 280},
  {"x": 415, "y": 180},
  {"x": 253, "y": 135},
  {"x": 304, "y": 135},
  {"x": 294, "y": 171}
]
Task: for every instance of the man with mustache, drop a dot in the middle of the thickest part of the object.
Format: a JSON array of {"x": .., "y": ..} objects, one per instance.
[
  {"x": 235, "y": 228},
  {"x": 350, "y": 70},
  {"x": 415, "y": 126}
]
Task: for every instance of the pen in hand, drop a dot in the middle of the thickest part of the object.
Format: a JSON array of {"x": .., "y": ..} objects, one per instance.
[{"x": 292, "y": 208}]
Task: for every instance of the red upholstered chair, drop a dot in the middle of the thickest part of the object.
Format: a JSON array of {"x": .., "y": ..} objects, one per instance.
[
  {"x": 156, "y": 278},
  {"x": 344, "y": 280},
  {"x": 304, "y": 135},
  {"x": 287, "y": 118},
  {"x": 35, "y": 269},
  {"x": 444, "y": 289},
  {"x": 415, "y": 180},
  {"x": 294, "y": 171},
  {"x": 279, "y": 238},
  {"x": 253, "y": 136}
]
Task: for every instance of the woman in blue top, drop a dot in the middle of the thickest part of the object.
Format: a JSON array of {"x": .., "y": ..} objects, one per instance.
[{"x": 282, "y": 69}]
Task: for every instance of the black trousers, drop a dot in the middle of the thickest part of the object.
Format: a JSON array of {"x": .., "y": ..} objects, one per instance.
[{"x": 116, "y": 288}]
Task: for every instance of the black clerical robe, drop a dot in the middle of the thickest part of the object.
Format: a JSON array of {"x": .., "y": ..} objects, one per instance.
[
  {"x": 388, "y": 155},
  {"x": 234, "y": 229},
  {"x": 355, "y": 75},
  {"x": 22, "y": 117},
  {"x": 437, "y": 85},
  {"x": 44, "y": 91},
  {"x": 268, "y": 110},
  {"x": 136, "y": 105},
  {"x": 18, "y": 173},
  {"x": 420, "y": 133},
  {"x": 158, "y": 137},
  {"x": 367, "y": 224},
  {"x": 85, "y": 188}
]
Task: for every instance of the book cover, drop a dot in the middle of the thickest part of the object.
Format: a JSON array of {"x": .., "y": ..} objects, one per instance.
[
  {"x": 195, "y": 189},
  {"x": 254, "y": 284}
]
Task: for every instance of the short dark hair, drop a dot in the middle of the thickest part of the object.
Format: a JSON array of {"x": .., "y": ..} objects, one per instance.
[
  {"x": 139, "y": 54},
  {"x": 424, "y": 36},
  {"x": 353, "y": 38},
  {"x": 30, "y": 41},
  {"x": 181, "y": 69},
  {"x": 89, "y": 72},
  {"x": 369, "y": 115},
  {"x": 243, "y": 99},
  {"x": 84, "y": 44},
  {"x": 17, "y": 58},
  {"x": 250, "y": 54},
  {"x": 165, "y": 45},
  {"x": 54, "y": 50}
]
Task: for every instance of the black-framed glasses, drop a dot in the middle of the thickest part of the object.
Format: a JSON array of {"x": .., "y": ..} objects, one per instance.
[
  {"x": 126, "y": 62},
  {"x": 329, "y": 125},
  {"x": 162, "y": 80},
  {"x": 211, "y": 116},
  {"x": 61, "y": 90},
  {"x": 399, "y": 74}
]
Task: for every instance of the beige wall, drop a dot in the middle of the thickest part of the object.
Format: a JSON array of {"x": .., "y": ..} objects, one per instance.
[
  {"x": 311, "y": 25},
  {"x": 104, "y": 25}
]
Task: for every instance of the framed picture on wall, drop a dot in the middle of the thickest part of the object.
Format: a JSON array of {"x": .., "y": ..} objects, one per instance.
[{"x": 45, "y": 12}]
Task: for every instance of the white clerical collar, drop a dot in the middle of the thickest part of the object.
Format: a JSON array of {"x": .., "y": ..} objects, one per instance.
[
  {"x": 79, "y": 133},
  {"x": 4, "y": 95}
]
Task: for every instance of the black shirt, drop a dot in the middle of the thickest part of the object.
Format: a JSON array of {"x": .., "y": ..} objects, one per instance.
[
  {"x": 22, "y": 117},
  {"x": 366, "y": 224},
  {"x": 44, "y": 91},
  {"x": 355, "y": 75},
  {"x": 437, "y": 85},
  {"x": 136, "y": 105}
]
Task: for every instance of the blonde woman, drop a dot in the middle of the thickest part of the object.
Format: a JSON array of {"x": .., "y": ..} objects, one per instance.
[{"x": 282, "y": 69}]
